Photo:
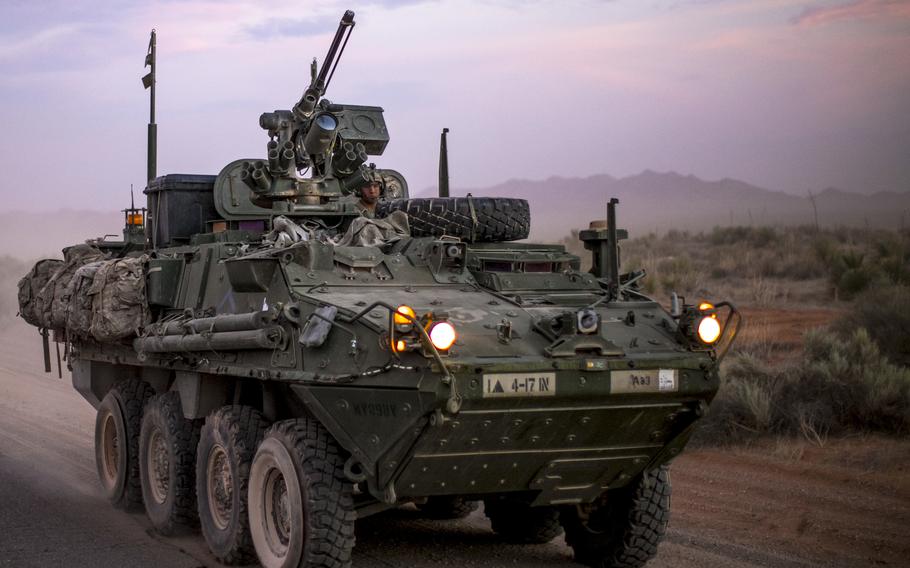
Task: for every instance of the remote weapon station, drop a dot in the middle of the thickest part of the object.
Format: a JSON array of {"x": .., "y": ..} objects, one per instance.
[{"x": 294, "y": 343}]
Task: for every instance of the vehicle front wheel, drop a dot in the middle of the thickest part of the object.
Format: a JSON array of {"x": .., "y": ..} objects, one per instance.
[
  {"x": 117, "y": 442},
  {"x": 226, "y": 446},
  {"x": 167, "y": 459},
  {"x": 624, "y": 530},
  {"x": 301, "y": 505}
]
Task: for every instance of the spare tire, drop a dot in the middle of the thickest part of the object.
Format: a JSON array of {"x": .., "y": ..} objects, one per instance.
[{"x": 472, "y": 219}]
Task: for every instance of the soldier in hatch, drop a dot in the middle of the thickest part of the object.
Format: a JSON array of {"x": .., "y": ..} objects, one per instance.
[{"x": 368, "y": 197}]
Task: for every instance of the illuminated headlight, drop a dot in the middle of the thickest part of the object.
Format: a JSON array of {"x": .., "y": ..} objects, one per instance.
[
  {"x": 708, "y": 329},
  {"x": 442, "y": 335}
]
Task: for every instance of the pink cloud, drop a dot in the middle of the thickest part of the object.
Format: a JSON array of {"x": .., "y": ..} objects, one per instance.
[{"x": 855, "y": 10}]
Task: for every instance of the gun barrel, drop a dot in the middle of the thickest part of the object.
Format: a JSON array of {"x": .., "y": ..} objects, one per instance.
[{"x": 307, "y": 102}]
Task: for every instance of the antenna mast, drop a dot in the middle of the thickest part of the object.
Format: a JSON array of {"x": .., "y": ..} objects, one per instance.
[
  {"x": 443, "y": 164},
  {"x": 149, "y": 83}
]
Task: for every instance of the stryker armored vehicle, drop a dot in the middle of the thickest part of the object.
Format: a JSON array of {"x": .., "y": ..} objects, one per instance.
[{"x": 272, "y": 358}]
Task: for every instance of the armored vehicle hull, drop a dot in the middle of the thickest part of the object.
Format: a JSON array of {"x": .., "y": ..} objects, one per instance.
[{"x": 272, "y": 359}]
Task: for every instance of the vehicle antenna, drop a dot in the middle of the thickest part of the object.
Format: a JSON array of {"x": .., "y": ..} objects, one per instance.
[
  {"x": 443, "y": 164},
  {"x": 148, "y": 81}
]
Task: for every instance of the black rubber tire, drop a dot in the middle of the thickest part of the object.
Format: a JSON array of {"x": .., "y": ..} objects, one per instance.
[
  {"x": 167, "y": 465},
  {"x": 300, "y": 461},
  {"x": 232, "y": 434},
  {"x": 119, "y": 418},
  {"x": 447, "y": 508},
  {"x": 625, "y": 531},
  {"x": 519, "y": 523},
  {"x": 472, "y": 219}
]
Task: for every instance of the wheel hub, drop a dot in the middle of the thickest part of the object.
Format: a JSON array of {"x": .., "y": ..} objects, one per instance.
[
  {"x": 278, "y": 510},
  {"x": 111, "y": 449},
  {"x": 220, "y": 487},
  {"x": 159, "y": 470}
]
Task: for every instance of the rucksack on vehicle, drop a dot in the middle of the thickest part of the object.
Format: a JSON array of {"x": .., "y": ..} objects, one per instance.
[{"x": 31, "y": 302}]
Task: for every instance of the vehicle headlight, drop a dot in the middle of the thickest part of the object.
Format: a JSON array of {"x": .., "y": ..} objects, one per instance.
[
  {"x": 708, "y": 329},
  {"x": 442, "y": 335}
]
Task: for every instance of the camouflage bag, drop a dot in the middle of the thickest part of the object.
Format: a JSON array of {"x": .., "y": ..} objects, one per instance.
[
  {"x": 56, "y": 294},
  {"x": 119, "y": 306},
  {"x": 79, "y": 309},
  {"x": 31, "y": 307}
]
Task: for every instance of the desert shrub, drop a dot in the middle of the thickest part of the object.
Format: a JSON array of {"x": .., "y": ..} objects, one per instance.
[
  {"x": 846, "y": 384},
  {"x": 843, "y": 384},
  {"x": 678, "y": 274},
  {"x": 885, "y": 313},
  {"x": 754, "y": 236},
  {"x": 743, "y": 407}
]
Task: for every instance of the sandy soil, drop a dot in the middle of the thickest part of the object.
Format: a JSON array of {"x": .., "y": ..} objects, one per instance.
[{"x": 777, "y": 504}]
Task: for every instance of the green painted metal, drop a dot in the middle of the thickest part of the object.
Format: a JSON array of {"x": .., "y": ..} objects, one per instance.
[{"x": 561, "y": 383}]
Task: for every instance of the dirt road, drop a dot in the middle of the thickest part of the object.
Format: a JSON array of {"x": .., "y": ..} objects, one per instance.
[{"x": 781, "y": 505}]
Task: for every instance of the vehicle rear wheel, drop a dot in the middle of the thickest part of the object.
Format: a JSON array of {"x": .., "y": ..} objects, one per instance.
[
  {"x": 623, "y": 531},
  {"x": 167, "y": 459},
  {"x": 117, "y": 426},
  {"x": 301, "y": 504},
  {"x": 521, "y": 523},
  {"x": 226, "y": 447},
  {"x": 472, "y": 219},
  {"x": 447, "y": 508}
]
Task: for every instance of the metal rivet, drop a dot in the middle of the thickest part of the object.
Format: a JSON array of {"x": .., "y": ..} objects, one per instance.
[
  {"x": 585, "y": 419},
  {"x": 571, "y": 437}
]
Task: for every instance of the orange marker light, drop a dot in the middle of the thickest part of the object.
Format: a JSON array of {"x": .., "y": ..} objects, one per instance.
[
  {"x": 705, "y": 306},
  {"x": 402, "y": 319},
  {"x": 400, "y": 346},
  {"x": 135, "y": 219}
]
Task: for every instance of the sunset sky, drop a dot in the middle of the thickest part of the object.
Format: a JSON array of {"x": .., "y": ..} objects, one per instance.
[{"x": 788, "y": 95}]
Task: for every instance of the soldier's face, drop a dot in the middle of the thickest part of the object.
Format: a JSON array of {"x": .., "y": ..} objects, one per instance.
[{"x": 370, "y": 193}]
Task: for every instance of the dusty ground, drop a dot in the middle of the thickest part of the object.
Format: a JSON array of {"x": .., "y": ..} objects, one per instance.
[{"x": 779, "y": 505}]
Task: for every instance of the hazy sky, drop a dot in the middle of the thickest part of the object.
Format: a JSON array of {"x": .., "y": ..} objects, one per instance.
[{"x": 790, "y": 95}]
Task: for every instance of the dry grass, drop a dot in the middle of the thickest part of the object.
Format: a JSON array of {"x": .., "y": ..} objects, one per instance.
[{"x": 764, "y": 266}]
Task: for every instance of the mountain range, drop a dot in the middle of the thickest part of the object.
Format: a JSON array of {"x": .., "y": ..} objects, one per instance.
[
  {"x": 657, "y": 202},
  {"x": 648, "y": 202}
]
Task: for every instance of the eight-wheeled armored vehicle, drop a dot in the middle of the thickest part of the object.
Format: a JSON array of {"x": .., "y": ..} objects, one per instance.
[{"x": 272, "y": 357}]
